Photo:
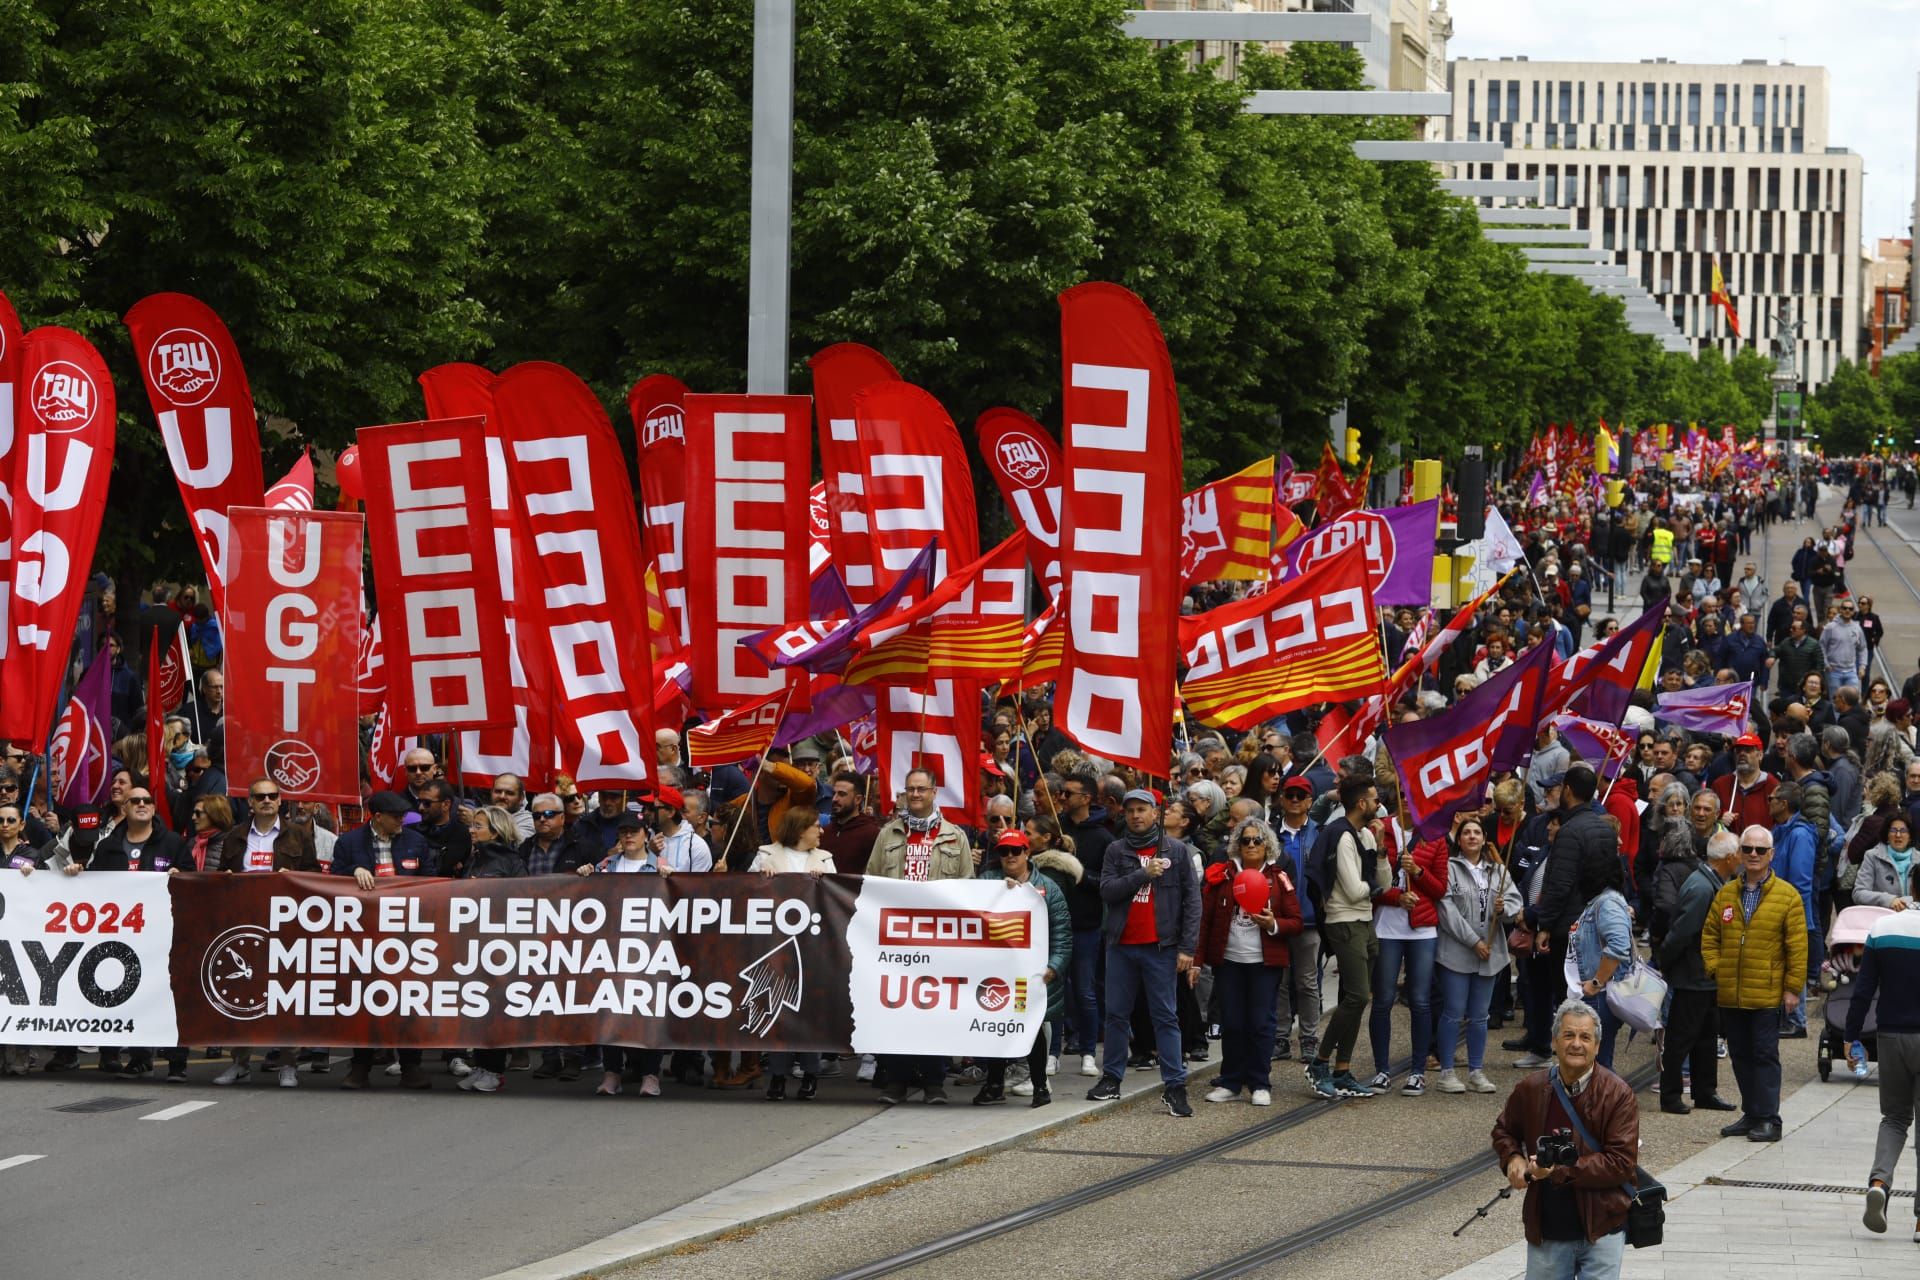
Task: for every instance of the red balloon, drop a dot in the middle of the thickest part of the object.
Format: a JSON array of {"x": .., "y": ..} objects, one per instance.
[
  {"x": 1251, "y": 892},
  {"x": 346, "y": 470}
]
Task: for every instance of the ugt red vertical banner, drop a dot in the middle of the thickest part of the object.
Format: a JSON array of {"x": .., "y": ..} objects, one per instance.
[
  {"x": 292, "y": 638},
  {"x": 444, "y": 628},
  {"x": 204, "y": 406},
  {"x": 1025, "y": 463},
  {"x": 658, "y": 405},
  {"x": 1119, "y": 528},
  {"x": 749, "y": 465}
]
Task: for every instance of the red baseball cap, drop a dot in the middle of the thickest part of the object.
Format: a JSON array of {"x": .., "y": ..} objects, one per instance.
[
  {"x": 989, "y": 765},
  {"x": 1748, "y": 740},
  {"x": 1013, "y": 838},
  {"x": 670, "y": 797}
]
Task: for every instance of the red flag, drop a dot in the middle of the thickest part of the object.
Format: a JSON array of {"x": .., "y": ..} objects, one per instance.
[
  {"x": 371, "y": 678},
  {"x": 294, "y": 490},
  {"x": 1119, "y": 528},
  {"x": 573, "y": 513},
  {"x": 748, "y": 467},
  {"x": 1226, "y": 528},
  {"x": 462, "y": 391},
  {"x": 840, "y": 373},
  {"x": 11, "y": 340},
  {"x": 175, "y": 680},
  {"x": 741, "y": 733},
  {"x": 1330, "y": 494},
  {"x": 200, "y": 397},
  {"x": 65, "y": 415},
  {"x": 156, "y": 728},
  {"x": 1026, "y": 465},
  {"x": 292, "y": 629},
  {"x": 919, "y": 487},
  {"x": 1310, "y": 639},
  {"x": 819, "y": 521},
  {"x": 435, "y": 575},
  {"x": 1041, "y": 645},
  {"x": 658, "y": 406}
]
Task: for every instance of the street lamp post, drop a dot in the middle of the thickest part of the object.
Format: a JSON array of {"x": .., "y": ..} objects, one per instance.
[{"x": 1786, "y": 379}]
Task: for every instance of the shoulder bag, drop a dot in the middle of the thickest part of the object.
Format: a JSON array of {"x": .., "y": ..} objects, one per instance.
[{"x": 1646, "y": 1194}]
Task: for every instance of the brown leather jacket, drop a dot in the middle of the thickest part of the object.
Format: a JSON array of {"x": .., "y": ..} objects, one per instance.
[
  {"x": 1611, "y": 1114},
  {"x": 292, "y": 849}
]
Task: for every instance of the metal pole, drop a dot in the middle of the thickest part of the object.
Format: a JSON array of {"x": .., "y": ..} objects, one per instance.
[{"x": 772, "y": 197}]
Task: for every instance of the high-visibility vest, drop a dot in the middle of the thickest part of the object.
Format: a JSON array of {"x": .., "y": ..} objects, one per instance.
[{"x": 1662, "y": 545}]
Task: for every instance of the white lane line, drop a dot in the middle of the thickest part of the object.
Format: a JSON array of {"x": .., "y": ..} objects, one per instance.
[
  {"x": 184, "y": 1109},
  {"x": 12, "y": 1161}
]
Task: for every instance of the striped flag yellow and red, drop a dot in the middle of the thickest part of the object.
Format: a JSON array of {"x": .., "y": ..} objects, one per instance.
[
  {"x": 968, "y": 628},
  {"x": 739, "y": 734},
  {"x": 1042, "y": 646},
  {"x": 1227, "y": 526},
  {"x": 1310, "y": 639}
]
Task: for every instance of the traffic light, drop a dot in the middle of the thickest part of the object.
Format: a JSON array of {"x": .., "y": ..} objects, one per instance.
[{"x": 1353, "y": 446}]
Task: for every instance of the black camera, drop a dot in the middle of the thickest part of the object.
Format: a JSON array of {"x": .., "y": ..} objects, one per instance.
[{"x": 1555, "y": 1148}]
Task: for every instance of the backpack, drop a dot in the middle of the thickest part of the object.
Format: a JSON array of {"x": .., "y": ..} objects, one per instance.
[{"x": 1318, "y": 869}]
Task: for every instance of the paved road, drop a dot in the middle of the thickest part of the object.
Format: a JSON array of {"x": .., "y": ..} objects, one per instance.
[{"x": 319, "y": 1183}]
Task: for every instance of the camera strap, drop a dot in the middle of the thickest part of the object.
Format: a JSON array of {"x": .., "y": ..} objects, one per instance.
[{"x": 1566, "y": 1102}]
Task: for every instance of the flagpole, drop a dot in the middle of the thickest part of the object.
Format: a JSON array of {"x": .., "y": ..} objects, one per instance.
[{"x": 1039, "y": 766}]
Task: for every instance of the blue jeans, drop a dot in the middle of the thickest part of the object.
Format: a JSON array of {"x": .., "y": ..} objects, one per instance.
[
  {"x": 1132, "y": 968},
  {"x": 1567, "y": 1259},
  {"x": 1417, "y": 954},
  {"x": 1846, "y": 679},
  {"x": 1083, "y": 999},
  {"x": 1609, "y": 1028},
  {"x": 1464, "y": 998},
  {"x": 1248, "y": 1022}
]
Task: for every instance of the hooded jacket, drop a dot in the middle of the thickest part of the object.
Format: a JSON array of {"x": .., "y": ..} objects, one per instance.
[{"x": 1469, "y": 916}]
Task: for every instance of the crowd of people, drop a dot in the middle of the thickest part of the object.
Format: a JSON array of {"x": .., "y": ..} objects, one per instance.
[{"x": 1261, "y": 895}]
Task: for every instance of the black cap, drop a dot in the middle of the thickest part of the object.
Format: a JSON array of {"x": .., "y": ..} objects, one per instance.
[
  {"x": 388, "y": 803},
  {"x": 629, "y": 822}
]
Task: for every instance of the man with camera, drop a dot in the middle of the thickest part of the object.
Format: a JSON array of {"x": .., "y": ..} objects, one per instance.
[{"x": 1568, "y": 1137}]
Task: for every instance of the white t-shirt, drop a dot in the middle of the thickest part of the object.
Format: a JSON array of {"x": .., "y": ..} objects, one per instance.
[
  {"x": 623, "y": 865},
  {"x": 1393, "y": 922}
]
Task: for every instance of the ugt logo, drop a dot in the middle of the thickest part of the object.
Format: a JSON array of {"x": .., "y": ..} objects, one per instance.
[
  {"x": 64, "y": 397},
  {"x": 663, "y": 422},
  {"x": 1024, "y": 459},
  {"x": 185, "y": 366}
]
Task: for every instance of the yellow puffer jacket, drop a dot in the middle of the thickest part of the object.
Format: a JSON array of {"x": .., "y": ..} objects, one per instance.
[{"x": 1757, "y": 961}]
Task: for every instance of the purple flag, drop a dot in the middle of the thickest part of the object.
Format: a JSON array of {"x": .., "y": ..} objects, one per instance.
[
  {"x": 1445, "y": 762},
  {"x": 1713, "y": 708},
  {"x": 1399, "y": 542},
  {"x": 1537, "y": 491},
  {"x": 831, "y": 708},
  {"x": 1592, "y": 740},
  {"x": 78, "y": 755},
  {"x": 821, "y": 645}
]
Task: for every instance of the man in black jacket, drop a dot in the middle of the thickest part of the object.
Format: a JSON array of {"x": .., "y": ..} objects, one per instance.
[
  {"x": 1152, "y": 931},
  {"x": 1693, "y": 1020},
  {"x": 1584, "y": 833}
]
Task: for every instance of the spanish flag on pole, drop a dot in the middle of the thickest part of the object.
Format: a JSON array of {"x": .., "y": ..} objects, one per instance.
[{"x": 1723, "y": 300}]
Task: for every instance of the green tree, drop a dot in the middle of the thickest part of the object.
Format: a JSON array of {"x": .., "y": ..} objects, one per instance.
[{"x": 1850, "y": 410}]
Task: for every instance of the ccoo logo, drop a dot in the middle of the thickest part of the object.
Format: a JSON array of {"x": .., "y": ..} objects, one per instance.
[
  {"x": 662, "y": 422},
  {"x": 64, "y": 397},
  {"x": 1371, "y": 531},
  {"x": 185, "y": 366},
  {"x": 1024, "y": 459}
]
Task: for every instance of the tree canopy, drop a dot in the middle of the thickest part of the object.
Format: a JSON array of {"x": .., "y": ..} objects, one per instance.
[{"x": 364, "y": 188}]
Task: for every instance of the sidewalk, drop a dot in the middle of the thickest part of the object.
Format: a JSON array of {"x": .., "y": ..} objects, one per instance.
[{"x": 1789, "y": 1209}]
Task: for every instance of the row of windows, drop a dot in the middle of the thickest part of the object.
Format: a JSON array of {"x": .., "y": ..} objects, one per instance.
[
  {"x": 1614, "y": 137},
  {"x": 1659, "y": 103},
  {"x": 1682, "y": 186},
  {"x": 1806, "y": 257},
  {"x": 1696, "y": 316}
]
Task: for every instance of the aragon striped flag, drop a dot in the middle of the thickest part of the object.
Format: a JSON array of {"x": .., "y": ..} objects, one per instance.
[
  {"x": 1226, "y": 526},
  {"x": 1042, "y": 645},
  {"x": 1311, "y": 639},
  {"x": 967, "y": 628},
  {"x": 739, "y": 734}
]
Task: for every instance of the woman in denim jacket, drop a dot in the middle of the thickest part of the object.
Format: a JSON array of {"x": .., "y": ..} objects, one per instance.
[{"x": 1602, "y": 942}]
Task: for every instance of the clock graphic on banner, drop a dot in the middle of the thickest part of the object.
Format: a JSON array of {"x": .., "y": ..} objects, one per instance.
[{"x": 233, "y": 975}]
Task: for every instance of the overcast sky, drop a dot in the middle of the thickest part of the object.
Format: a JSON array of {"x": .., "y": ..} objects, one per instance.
[{"x": 1870, "y": 48}]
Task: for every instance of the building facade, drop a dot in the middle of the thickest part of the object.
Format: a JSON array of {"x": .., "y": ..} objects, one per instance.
[
  {"x": 1673, "y": 167},
  {"x": 1886, "y": 291}
]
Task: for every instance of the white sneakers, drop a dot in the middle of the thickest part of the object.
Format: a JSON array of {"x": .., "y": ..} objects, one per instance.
[
  {"x": 1220, "y": 1093},
  {"x": 1478, "y": 1082},
  {"x": 1449, "y": 1081},
  {"x": 481, "y": 1081},
  {"x": 393, "y": 1068},
  {"x": 649, "y": 1086},
  {"x": 459, "y": 1068},
  {"x": 1053, "y": 1065},
  {"x": 289, "y": 1078},
  {"x": 1022, "y": 1090},
  {"x": 1087, "y": 1066},
  {"x": 1262, "y": 1098},
  {"x": 867, "y": 1067},
  {"x": 234, "y": 1074}
]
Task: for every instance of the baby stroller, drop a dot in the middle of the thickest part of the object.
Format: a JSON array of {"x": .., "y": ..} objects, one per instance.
[{"x": 1844, "y": 948}]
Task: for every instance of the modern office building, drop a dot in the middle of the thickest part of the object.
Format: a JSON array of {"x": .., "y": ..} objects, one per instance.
[
  {"x": 1673, "y": 167},
  {"x": 1407, "y": 50}
]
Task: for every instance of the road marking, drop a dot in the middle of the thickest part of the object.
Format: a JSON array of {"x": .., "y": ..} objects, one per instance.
[
  {"x": 184, "y": 1109},
  {"x": 12, "y": 1161}
]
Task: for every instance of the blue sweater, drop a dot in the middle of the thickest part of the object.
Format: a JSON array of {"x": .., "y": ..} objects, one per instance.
[{"x": 1890, "y": 968}]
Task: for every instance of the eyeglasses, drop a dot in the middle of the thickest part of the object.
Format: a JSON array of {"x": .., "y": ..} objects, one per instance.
[
  {"x": 9, "y": 788},
  {"x": 264, "y": 795},
  {"x": 196, "y": 768},
  {"x": 548, "y": 813},
  {"x": 419, "y": 768},
  {"x": 8, "y": 822},
  {"x": 1756, "y": 848},
  {"x": 199, "y": 813},
  {"x": 140, "y": 800},
  {"x": 1251, "y": 840}
]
